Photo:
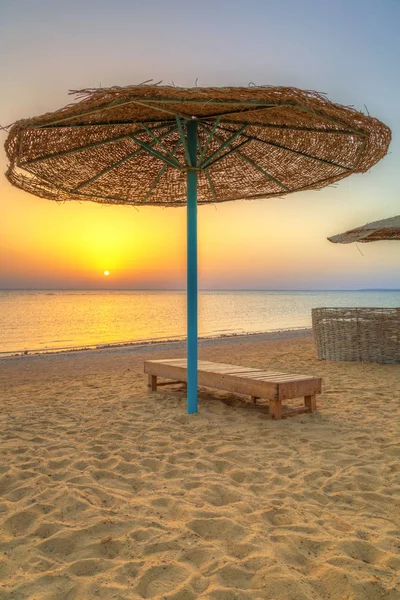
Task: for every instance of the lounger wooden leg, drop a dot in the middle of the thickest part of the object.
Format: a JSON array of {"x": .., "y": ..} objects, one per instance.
[
  {"x": 310, "y": 402},
  {"x": 275, "y": 409},
  {"x": 152, "y": 383},
  {"x": 253, "y": 399}
]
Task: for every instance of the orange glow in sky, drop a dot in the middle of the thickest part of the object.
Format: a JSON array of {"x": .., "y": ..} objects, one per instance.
[
  {"x": 263, "y": 244},
  {"x": 270, "y": 244}
]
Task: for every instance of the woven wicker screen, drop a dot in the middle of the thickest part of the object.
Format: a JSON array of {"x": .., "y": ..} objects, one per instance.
[
  {"x": 254, "y": 142},
  {"x": 357, "y": 334}
]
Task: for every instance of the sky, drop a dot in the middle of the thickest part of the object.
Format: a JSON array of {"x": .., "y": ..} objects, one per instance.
[{"x": 347, "y": 49}]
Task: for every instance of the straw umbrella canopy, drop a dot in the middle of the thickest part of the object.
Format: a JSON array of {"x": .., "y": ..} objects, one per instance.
[
  {"x": 159, "y": 145},
  {"x": 385, "y": 229}
]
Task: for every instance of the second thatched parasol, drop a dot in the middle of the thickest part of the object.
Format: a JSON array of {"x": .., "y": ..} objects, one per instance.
[{"x": 386, "y": 229}]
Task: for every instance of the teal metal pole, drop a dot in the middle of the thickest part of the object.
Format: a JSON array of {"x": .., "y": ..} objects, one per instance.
[{"x": 191, "y": 130}]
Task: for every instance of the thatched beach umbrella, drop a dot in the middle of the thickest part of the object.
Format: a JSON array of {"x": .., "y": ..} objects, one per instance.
[
  {"x": 386, "y": 229},
  {"x": 155, "y": 145}
]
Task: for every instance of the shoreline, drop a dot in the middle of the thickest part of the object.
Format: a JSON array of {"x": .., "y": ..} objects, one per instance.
[{"x": 145, "y": 345}]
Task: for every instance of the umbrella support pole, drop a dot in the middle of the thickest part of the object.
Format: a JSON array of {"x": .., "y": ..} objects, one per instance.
[{"x": 192, "y": 268}]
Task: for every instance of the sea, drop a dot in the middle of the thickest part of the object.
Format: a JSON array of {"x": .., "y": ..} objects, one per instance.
[{"x": 53, "y": 320}]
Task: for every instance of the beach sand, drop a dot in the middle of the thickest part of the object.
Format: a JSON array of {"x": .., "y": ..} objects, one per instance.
[{"x": 110, "y": 492}]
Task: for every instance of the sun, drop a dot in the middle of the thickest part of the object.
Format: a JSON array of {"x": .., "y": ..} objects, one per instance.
[{"x": 106, "y": 273}]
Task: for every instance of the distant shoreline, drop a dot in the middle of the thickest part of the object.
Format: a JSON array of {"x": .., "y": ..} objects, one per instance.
[
  {"x": 148, "y": 345},
  {"x": 184, "y": 290}
]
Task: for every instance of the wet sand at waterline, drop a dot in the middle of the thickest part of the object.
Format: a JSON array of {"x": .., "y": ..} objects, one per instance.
[{"x": 110, "y": 492}]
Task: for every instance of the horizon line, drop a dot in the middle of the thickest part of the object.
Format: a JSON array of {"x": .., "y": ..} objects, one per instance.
[{"x": 55, "y": 289}]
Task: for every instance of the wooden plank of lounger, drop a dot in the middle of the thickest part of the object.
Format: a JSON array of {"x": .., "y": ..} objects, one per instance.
[
  {"x": 172, "y": 361},
  {"x": 275, "y": 376},
  {"x": 281, "y": 378},
  {"x": 161, "y": 383},
  {"x": 231, "y": 369},
  {"x": 205, "y": 365},
  {"x": 221, "y": 381},
  {"x": 220, "y": 369},
  {"x": 296, "y": 389},
  {"x": 209, "y": 366}
]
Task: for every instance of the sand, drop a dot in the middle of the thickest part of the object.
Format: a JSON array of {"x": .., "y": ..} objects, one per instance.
[{"x": 109, "y": 492}]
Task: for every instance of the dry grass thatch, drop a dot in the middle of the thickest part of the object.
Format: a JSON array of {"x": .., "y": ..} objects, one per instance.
[
  {"x": 386, "y": 229},
  {"x": 357, "y": 334},
  {"x": 294, "y": 140}
]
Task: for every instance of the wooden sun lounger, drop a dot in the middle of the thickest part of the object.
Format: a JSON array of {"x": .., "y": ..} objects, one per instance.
[{"x": 255, "y": 383}]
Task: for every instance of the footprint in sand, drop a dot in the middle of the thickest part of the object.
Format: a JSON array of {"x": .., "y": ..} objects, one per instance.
[
  {"x": 233, "y": 576},
  {"x": 279, "y": 517},
  {"x": 162, "y": 579},
  {"x": 219, "y": 495},
  {"x": 20, "y": 523},
  {"x": 217, "y": 529},
  {"x": 46, "y": 530},
  {"x": 88, "y": 567},
  {"x": 363, "y": 551}
]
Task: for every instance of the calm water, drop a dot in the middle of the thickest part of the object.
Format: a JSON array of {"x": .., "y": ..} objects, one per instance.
[{"x": 43, "y": 320}]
